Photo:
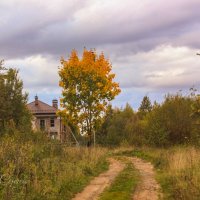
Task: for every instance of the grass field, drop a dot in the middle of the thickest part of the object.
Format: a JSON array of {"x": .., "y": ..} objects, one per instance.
[
  {"x": 32, "y": 167},
  {"x": 39, "y": 169},
  {"x": 177, "y": 169}
]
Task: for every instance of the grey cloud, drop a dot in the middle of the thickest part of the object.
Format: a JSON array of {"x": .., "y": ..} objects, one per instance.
[
  {"x": 37, "y": 29},
  {"x": 164, "y": 67},
  {"x": 152, "y": 44},
  {"x": 37, "y": 72},
  {"x": 153, "y": 76}
]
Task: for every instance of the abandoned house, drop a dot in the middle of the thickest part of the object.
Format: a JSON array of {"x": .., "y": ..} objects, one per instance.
[{"x": 45, "y": 119}]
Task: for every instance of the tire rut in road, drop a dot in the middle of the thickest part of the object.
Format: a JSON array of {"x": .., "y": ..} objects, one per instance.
[
  {"x": 98, "y": 184},
  {"x": 148, "y": 188}
]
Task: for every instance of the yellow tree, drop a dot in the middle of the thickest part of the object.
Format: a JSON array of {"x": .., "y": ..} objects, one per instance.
[{"x": 87, "y": 87}]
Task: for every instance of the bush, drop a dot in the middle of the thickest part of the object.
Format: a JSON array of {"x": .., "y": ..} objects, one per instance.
[{"x": 171, "y": 122}]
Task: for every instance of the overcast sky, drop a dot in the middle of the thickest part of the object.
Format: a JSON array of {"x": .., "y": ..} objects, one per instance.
[{"x": 152, "y": 44}]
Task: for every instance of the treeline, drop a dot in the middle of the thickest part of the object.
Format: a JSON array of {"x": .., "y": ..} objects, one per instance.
[{"x": 174, "y": 121}]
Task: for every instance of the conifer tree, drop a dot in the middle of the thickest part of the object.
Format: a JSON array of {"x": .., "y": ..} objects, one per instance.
[{"x": 145, "y": 106}]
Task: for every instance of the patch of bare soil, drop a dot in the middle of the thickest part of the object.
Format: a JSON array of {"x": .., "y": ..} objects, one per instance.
[
  {"x": 148, "y": 188},
  {"x": 98, "y": 184}
]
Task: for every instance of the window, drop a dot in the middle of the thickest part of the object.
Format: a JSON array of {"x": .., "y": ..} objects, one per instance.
[
  {"x": 42, "y": 124},
  {"x": 52, "y": 124}
]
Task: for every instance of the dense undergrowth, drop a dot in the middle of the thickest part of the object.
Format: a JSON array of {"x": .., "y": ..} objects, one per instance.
[
  {"x": 177, "y": 169},
  {"x": 175, "y": 121},
  {"x": 33, "y": 167}
]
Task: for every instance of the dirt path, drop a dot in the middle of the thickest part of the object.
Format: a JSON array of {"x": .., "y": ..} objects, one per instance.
[
  {"x": 148, "y": 188},
  {"x": 98, "y": 184}
]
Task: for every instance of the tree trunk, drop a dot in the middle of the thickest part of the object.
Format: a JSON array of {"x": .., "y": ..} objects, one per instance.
[{"x": 89, "y": 143}]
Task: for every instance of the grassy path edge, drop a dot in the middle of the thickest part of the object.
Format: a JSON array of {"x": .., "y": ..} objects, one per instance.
[{"x": 124, "y": 184}]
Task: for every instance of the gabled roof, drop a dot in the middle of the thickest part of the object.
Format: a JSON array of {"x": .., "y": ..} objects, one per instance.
[{"x": 41, "y": 107}]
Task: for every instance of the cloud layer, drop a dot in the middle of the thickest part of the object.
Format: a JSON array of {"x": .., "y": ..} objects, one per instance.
[{"x": 152, "y": 45}]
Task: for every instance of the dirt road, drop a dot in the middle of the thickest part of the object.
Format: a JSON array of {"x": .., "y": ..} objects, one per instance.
[
  {"x": 148, "y": 188},
  {"x": 98, "y": 184}
]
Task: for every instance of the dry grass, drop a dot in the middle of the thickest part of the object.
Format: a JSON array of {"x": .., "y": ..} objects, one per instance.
[
  {"x": 184, "y": 158},
  {"x": 178, "y": 171},
  {"x": 45, "y": 169},
  {"x": 184, "y": 172}
]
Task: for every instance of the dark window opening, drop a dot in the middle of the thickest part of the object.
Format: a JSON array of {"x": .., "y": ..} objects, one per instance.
[
  {"x": 42, "y": 124},
  {"x": 52, "y": 124}
]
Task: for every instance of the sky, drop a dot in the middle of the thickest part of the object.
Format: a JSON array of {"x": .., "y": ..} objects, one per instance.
[{"x": 152, "y": 45}]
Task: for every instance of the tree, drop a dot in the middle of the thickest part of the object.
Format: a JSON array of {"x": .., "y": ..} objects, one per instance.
[
  {"x": 106, "y": 121},
  {"x": 171, "y": 122},
  {"x": 196, "y": 107},
  {"x": 88, "y": 86},
  {"x": 13, "y": 110},
  {"x": 145, "y": 106},
  {"x": 113, "y": 130},
  {"x": 121, "y": 126},
  {"x": 195, "y": 114}
]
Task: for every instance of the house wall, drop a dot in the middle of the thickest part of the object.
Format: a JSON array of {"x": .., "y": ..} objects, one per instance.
[{"x": 54, "y": 132}]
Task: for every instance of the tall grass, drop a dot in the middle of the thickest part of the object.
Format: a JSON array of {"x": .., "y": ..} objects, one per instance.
[
  {"x": 181, "y": 175},
  {"x": 33, "y": 167},
  {"x": 178, "y": 170}
]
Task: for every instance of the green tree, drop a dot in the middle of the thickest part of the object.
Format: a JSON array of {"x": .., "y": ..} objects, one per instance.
[
  {"x": 88, "y": 86},
  {"x": 155, "y": 130},
  {"x": 106, "y": 121},
  {"x": 13, "y": 110},
  {"x": 116, "y": 133},
  {"x": 171, "y": 122},
  {"x": 145, "y": 107},
  {"x": 195, "y": 115},
  {"x": 121, "y": 126},
  {"x": 196, "y": 107}
]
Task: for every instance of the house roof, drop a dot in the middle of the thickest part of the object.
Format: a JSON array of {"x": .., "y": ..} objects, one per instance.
[{"x": 41, "y": 107}]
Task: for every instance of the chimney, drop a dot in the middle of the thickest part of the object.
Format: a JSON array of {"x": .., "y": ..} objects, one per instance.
[
  {"x": 55, "y": 103},
  {"x": 36, "y": 100}
]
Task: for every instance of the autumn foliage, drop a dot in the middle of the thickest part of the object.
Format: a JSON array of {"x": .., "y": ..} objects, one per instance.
[{"x": 88, "y": 86}]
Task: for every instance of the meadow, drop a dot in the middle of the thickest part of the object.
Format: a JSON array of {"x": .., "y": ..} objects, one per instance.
[
  {"x": 177, "y": 169},
  {"x": 33, "y": 167}
]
